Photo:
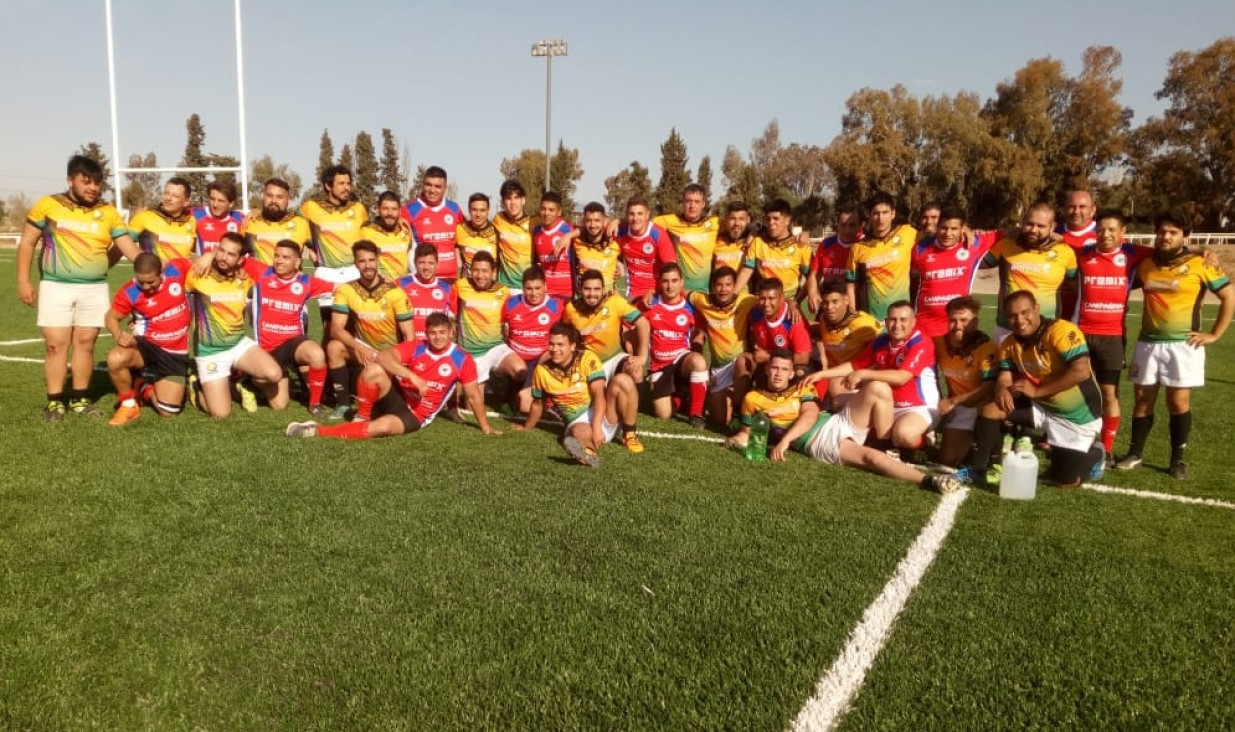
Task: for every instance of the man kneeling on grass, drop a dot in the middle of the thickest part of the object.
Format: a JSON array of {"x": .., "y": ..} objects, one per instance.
[
  {"x": 405, "y": 388},
  {"x": 836, "y": 439}
]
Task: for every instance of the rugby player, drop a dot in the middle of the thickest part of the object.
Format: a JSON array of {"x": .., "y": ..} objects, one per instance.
[
  {"x": 928, "y": 219},
  {"x": 1033, "y": 261},
  {"x": 1079, "y": 228},
  {"x": 943, "y": 268},
  {"x": 722, "y": 317},
  {"x": 692, "y": 233},
  {"x": 602, "y": 318},
  {"x": 878, "y": 270},
  {"x": 476, "y": 233},
  {"x": 526, "y": 320},
  {"x": 392, "y": 235},
  {"x": 514, "y": 235},
  {"x": 777, "y": 253},
  {"x": 76, "y": 229},
  {"x": 594, "y": 249},
  {"x": 334, "y": 222},
  {"x": 1170, "y": 350},
  {"x": 672, "y": 321},
  {"x": 830, "y": 262},
  {"x": 426, "y": 292},
  {"x": 591, "y": 407},
  {"x": 169, "y": 230},
  {"x": 434, "y": 220},
  {"x": 481, "y": 302},
  {"x": 840, "y": 334},
  {"x": 733, "y": 239},
  {"x": 645, "y": 248},
  {"x": 273, "y": 222},
  {"x": 968, "y": 360},
  {"x": 218, "y": 216},
  {"x": 551, "y": 247}
]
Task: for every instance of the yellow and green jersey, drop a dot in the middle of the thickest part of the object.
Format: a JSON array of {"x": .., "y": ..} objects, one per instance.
[
  {"x": 726, "y": 326},
  {"x": 601, "y": 257},
  {"x": 695, "y": 244},
  {"x": 602, "y": 328},
  {"x": 1044, "y": 358},
  {"x": 514, "y": 247},
  {"x": 879, "y": 269},
  {"x": 471, "y": 241},
  {"x": 218, "y": 309},
  {"x": 393, "y": 247},
  {"x": 1041, "y": 271},
  {"x": 1173, "y": 297},
  {"x": 786, "y": 260},
  {"x": 480, "y": 316},
  {"x": 334, "y": 229},
  {"x": 374, "y": 314},
  {"x": 965, "y": 370},
  {"x": 75, "y": 238},
  {"x": 782, "y": 410},
  {"x": 262, "y": 235},
  {"x": 729, "y": 253},
  {"x": 848, "y": 338},
  {"x": 167, "y": 237},
  {"x": 568, "y": 388}
]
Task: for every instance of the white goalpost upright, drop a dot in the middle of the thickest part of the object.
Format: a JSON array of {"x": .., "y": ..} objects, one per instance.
[{"x": 242, "y": 170}]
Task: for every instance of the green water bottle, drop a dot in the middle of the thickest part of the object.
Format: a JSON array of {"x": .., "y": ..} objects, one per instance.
[{"x": 757, "y": 445}]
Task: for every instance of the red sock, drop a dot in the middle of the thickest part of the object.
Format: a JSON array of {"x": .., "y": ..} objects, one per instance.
[
  {"x": 698, "y": 394},
  {"x": 1110, "y": 426},
  {"x": 366, "y": 394},
  {"x": 145, "y": 395},
  {"x": 126, "y": 395},
  {"x": 345, "y": 431},
  {"x": 317, "y": 384}
]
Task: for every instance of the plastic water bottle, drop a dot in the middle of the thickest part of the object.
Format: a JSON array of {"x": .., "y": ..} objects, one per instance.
[
  {"x": 757, "y": 445},
  {"x": 1020, "y": 475}
]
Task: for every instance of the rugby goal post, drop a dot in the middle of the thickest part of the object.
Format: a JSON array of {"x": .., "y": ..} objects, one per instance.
[{"x": 118, "y": 170}]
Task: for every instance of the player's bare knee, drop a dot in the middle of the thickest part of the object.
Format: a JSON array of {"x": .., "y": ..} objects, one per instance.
[{"x": 877, "y": 389}]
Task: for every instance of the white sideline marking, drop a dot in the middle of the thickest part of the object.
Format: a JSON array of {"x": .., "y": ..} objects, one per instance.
[
  {"x": 1099, "y": 488},
  {"x": 840, "y": 685},
  {"x": 23, "y": 359},
  {"x": 22, "y": 342}
]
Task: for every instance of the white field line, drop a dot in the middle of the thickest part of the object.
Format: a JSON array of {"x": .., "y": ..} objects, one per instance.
[
  {"x": 28, "y": 341},
  {"x": 22, "y": 359},
  {"x": 840, "y": 685},
  {"x": 1099, "y": 488}
]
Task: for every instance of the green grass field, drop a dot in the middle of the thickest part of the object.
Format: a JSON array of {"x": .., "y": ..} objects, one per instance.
[{"x": 192, "y": 574}]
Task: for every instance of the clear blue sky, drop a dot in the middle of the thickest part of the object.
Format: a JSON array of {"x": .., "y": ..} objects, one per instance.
[{"x": 455, "y": 80}]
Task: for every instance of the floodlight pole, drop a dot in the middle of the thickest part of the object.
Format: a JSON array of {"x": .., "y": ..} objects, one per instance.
[{"x": 549, "y": 49}]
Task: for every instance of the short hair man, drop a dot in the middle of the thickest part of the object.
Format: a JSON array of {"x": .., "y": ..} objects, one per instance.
[
  {"x": 274, "y": 222},
  {"x": 514, "y": 235},
  {"x": 551, "y": 245},
  {"x": 406, "y": 387},
  {"x": 777, "y": 253},
  {"x": 645, "y": 247},
  {"x": 722, "y": 317},
  {"x": 481, "y": 302},
  {"x": 968, "y": 360},
  {"x": 158, "y": 341},
  {"x": 222, "y": 346},
  {"x": 526, "y": 320},
  {"x": 603, "y": 318},
  {"x": 943, "y": 268},
  {"x": 799, "y": 424},
  {"x": 1079, "y": 228},
  {"x": 673, "y": 322},
  {"x": 733, "y": 238},
  {"x": 168, "y": 230},
  {"x": 593, "y": 249},
  {"x": 475, "y": 233},
  {"x": 592, "y": 407},
  {"x": 928, "y": 218},
  {"x": 1033, "y": 261},
  {"x": 1045, "y": 382},
  {"x": 693, "y": 234},
  {"x": 369, "y": 315},
  {"x": 76, "y": 230},
  {"x": 830, "y": 261},
  {"x": 1170, "y": 350},
  {"x": 434, "y": 220},
  {"x": 335, "y": 221},
  {"x": 426, "y": 292},
  {"x": 841, "y": 334},
  {"x": 218, "y": 216},
  {"x": 391, "y": 234},
  {"x": 879, "y": 264}
]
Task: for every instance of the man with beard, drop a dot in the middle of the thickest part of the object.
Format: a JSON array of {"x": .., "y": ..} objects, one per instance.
[
  {"x": 928, "y": 219},
  {"x": 218, "y": 216},
  {"x": 602, "y": 318},
  {"x": 722, "y": 316},
  {"x": 167, "y": 231},
  {"x": 968, "y": 360},
  {"x": 776, "y": 253},
  {"x": 646, "y": 248},
  {"x": 514, "y": 235},
  {"x": 476, "y": 233},
  {"x": 157, "y": 343},
  {"x": 77, "y": 230},
  {"x": 1044, "y": 382},
  {"x": 434, "y": 220},
  {"x": 222, "y": 346},
  {"x": 481, "y": 302},
  {"x": 392, "y": 236},
  {"x": 273, "y": 223},
  {"x": 370, "y": 314},
  {"x": 1170, "y": 350},
  {"x": 593, "y": 249},
  {"x": 878, "y": 271},
  {"x": 734, "y": 238},
  {"x": 1032, "y": 261},
  {"x": 334, "y": 220},
  {"x": 830, "y": 262},
  {"x": 693, "y": 234},
  {"x": 406, "y": 387}
]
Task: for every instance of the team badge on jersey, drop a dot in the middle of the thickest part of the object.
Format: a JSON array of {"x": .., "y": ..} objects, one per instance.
[
  {"x": 648, "y": 248},
  {"x": 174, "y": 289},
  {"x": 681, "y": 320},
  {"x": 443, "y": 370},
  {"x": 448, "y": 219},
  {"x": 297, "y": 288},
  {"x": 1052, "y": 254},
  {"x": 962, "y": 255},
  {"x": 543, "y": 318},
  {"x": 1120, "y": 260},
  {"x": 437, "y": 294},
  {"x": 780, "y": 340},
  {"x": 232, "y": 226}
]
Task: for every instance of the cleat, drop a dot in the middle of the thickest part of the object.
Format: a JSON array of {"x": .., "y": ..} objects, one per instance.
[
  {"x": 1129, "y": 462},
  {"x": 1098, "y": 470},
  {"x": 994, "y": 474},
  {"x": 248, "y": 400},
  {"x": 85, "y": 409},
  {"x": 632, "y": 443},
  {"x": 340, "y": 413},
  {"x": 53, "y": 412},
  {"x": 320, "y": 412},
  {"x": 945, "y": 484},
  {"x": 124, "y": 415},
  {"x": 965, "y": 476},
  {"x": 1007, "y": 445},
  {"x": 585, "y": 455},
  {"x": 1179, "y": 470},
  {"x": 697, "y": 422},
  {"x": 1023, "y": 445},
  {"x": 192, "y": 390},
  {"x": 301, "y": 429}
]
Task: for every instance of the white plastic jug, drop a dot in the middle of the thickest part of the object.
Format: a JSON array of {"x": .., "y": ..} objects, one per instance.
[{"x": 1020, "y": 476}]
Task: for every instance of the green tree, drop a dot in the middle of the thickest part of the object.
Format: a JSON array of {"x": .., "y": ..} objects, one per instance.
[
  {"x": 194, "y": 154},
  {"x": 346, "y": 159},
  {"x": 364, "y": 188},
  {"x": 94, "y": 151},
  {"x": 392, "y": 177},
  {"x": 528, "y": 167},
  {"x": 674, "y": 175},
  {"x": 741, "y": 180},
  {"x": 878, "y": 146},
  {"x": 704, "y": 176},
  {"x": 18, "y": 206},
  {"x": 262, "y": 170},
  {"x": 565, "y": 172},
  {"x": 418, "y": 180},
  {"x": 4, "y": 218},
  {"x": 633, "y": 180},
  {"x": 325, "y": 159},
  {"x": 141, "y": 190}
]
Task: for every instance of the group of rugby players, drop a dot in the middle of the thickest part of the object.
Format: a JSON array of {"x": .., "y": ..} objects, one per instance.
[{"x": 838, "y": 345}]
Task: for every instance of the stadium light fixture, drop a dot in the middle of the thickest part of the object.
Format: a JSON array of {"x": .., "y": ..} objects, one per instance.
[{"x": 548, "y": 48}]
